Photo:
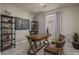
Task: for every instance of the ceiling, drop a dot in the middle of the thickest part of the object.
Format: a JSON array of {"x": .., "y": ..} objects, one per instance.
[{"x": 36, "y": 7}]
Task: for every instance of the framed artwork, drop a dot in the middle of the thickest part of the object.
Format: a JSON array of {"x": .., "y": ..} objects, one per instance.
[
  {"x": 25, "y": 24},
  {"x": 22, "y": 24}
]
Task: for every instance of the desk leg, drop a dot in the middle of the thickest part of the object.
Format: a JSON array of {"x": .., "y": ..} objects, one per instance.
[
  {"x": 40, "y": 43},
  {"x": 31, "y": 48},
  {"x": 47, "y": 41},
  {"x": 35, "y": 45}
]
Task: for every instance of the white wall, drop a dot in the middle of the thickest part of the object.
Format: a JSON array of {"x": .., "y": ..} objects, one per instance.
[
  {"x": 0, "y": 8},
  {"x": 20, "y": 34},
  {"x": 41, "y": 20},
  {"x": 70, "y": 21}
]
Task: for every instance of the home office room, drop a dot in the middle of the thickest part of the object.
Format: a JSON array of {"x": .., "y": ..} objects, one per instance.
[{"x": 39, "y": 28}]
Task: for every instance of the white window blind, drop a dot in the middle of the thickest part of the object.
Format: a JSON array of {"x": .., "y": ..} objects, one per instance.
[{"x": 53, "y": 23}]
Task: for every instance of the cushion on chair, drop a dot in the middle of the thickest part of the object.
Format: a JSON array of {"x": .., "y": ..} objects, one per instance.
[{"x": 52, "y": 49}]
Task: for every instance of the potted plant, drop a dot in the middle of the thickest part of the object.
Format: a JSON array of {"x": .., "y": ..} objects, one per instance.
[
  {"x": 75, "y": 42},
  {"x": 75, "y": 37}
]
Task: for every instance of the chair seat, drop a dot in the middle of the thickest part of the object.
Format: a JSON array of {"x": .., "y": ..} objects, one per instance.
[{"x": 52, "y": 49}]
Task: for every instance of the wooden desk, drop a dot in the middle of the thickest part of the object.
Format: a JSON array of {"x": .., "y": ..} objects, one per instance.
[{"x": 33, "y": 39}]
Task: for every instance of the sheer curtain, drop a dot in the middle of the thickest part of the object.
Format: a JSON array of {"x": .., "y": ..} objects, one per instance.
[
  {"x": 58, "y": 24},
  {"x": 54, "y": 25}
]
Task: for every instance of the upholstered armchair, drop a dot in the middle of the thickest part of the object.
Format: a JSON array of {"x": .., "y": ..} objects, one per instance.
[{"x": 56, "y": 48}]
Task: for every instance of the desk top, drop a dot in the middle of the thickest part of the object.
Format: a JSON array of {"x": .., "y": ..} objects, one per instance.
[{"x": 39, "y": 36}]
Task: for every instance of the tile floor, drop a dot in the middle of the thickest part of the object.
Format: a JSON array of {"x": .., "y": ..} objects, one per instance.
[{"x": 23, "y": 48}]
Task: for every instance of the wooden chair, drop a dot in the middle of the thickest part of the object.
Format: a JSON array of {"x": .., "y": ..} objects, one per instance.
[{"x": 56, "y": 48}]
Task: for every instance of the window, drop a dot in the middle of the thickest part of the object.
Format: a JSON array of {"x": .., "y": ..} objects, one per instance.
[{"x": 53, "y": 23}]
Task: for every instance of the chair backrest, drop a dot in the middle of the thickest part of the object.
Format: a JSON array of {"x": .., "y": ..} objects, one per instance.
[
  {"x": 31, "y": 33},
  {"x": 60, "y": 44}
]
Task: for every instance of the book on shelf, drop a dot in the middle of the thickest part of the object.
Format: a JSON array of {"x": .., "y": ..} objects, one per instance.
[
  {"x": 7, "y": 31},
  {"x": 5, "y": 19}
]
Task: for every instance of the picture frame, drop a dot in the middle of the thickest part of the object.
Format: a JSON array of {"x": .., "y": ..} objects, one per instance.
[{"x": 22, "y": 24}]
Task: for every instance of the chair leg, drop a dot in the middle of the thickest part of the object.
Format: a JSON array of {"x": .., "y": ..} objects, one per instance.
[
  {"x": 59, "y": 53},
  {"x": 44, "y": 52},
  {"x": 63, "y": 52},
  {"x": 34, "y": 53}
]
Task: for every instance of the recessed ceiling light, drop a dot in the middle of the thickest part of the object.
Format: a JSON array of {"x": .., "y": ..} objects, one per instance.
[
  {"x": 36, "y": 10},
  {"x": 43, "y": 4}
]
